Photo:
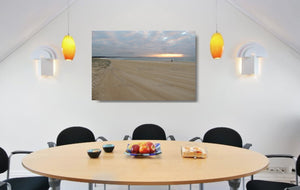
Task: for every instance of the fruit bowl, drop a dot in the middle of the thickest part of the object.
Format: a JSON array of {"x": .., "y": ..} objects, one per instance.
[{"x": 138, "y": 154}]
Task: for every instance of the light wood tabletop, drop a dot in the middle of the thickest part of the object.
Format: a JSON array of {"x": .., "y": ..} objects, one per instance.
[{"x": 71, "y": 162}]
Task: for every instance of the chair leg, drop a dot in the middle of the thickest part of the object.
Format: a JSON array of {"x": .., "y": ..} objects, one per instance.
[
  {"x": 8, "y": 186},
  {"x": 3, "y": 184}
]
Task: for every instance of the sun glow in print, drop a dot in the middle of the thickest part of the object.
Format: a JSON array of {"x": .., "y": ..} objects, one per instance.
[
  {"x": 168, "y": 55},
  {"x": 144, "y": 66}
]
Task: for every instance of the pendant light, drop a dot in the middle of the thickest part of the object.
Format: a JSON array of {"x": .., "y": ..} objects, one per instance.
[
  {"x": 68, "y": 43},
  {"x": 216, "y": 42}
]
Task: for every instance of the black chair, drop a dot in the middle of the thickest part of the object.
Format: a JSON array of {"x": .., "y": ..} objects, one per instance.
[
  {"x": 75, "y": 134},
  {"x": 20, "y": 183},
  {"x": 149, "y": 132},
  {"x": 275, "y": 185},
  {"x": 225, "y": 136},
  {"x": 72, "y": 135}
]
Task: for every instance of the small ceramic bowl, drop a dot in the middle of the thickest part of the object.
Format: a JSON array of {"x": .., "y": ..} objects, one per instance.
[
  {"x": 94, "y": 153},
  {"x": 108, "y": 147}
]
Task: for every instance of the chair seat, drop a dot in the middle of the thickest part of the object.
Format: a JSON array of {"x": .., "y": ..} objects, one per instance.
[
  {"x": 266, "y": 185},
  {"x": 28, "y": 183}
]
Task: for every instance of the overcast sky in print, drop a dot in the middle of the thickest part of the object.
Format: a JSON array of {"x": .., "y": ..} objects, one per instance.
[{"x": 143, "y": 43}]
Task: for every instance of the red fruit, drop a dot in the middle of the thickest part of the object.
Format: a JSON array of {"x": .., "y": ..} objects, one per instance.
[
  {"x": 135, "y": 149},
  {"x": 144, "y": 149},
  {"x": 151, "y": 146}
]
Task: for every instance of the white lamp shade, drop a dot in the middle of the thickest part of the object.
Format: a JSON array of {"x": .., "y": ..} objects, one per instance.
[
  {"x": 46, "y": 67},
  {"x": 249, "y": 65}
]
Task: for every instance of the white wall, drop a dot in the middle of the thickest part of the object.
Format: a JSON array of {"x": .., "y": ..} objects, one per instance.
[{"x": 265, "y": 110}]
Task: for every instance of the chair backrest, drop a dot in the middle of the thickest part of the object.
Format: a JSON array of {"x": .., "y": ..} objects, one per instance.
[
  {"x": 3, "y": 161},
  {"x": 75, "y": 134},
  {"x": 149, "y": 132},
  {"x": 223, "y": 135}
]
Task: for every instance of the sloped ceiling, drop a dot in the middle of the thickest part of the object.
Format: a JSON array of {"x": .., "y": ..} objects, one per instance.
[
  {"x": 20, "y": 20},
  {"x": 280, "y": 17}
]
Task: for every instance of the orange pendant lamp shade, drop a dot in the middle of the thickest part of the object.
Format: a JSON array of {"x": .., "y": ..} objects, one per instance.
[
  {"x": 68, "y": 47},
  {"x": 216, "y": 45}
]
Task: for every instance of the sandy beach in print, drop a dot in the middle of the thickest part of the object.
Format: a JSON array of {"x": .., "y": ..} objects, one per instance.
[{"x": 143, "y": 80}]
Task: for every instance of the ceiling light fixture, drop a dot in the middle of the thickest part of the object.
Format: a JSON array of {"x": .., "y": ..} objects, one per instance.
[
  {"x": 216, "y": 42},
  {"x": 68, "y": 43}
]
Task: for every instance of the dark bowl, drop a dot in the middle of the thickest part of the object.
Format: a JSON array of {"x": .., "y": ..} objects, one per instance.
[
  {"x": 108, "y": 147},
  {"x": 94, "y": 153}
]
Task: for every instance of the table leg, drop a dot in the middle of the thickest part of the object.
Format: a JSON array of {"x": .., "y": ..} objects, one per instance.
[
  {"x": 234, "y": 184},
  {"x": 54, "y": 184},
  {"x": 243, "y": 183},
  {"x": 90, "y": 186},
  {"x": 201, "y": 186}
]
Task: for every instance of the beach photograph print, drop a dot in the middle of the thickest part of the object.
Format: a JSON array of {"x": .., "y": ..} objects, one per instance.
[{"x": 144, "y": 66}]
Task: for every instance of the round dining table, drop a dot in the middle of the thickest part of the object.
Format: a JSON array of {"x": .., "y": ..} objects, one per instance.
[{"x": 71, "y": 162}]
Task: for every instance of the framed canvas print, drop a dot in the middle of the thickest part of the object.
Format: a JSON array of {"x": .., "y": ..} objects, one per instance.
[{"x": 143, "y": 66}]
